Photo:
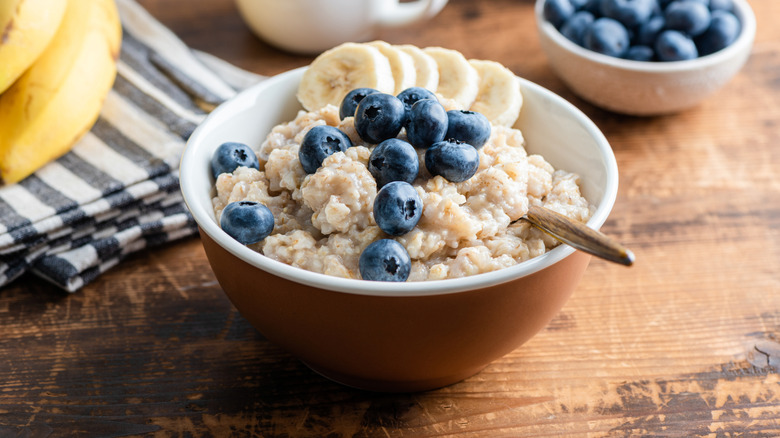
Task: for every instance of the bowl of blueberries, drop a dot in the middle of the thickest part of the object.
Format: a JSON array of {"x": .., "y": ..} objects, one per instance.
[{"x": 645, "y": 57}]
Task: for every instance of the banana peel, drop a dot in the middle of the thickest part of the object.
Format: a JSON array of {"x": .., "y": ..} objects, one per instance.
[{"x": 59, "y": 97}]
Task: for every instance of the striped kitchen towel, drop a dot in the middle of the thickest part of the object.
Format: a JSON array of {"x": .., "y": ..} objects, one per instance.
[{"x": 117, "y": 191}]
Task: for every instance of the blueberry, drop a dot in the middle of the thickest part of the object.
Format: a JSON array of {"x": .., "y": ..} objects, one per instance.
[
  {"x": 246, "y": 221},
  {"x": 672, "y": 45},
  {"x": 648, "y": 32},
  {"x": 688, "y": 16},
  {"x": 657, "y": 9},
  {"x": 319, "y": 143},
  {"x": 410, "y": 96},
  {"x": 607, "y": 36},
  {"x": 724, "y": 29},
  {"x": 385, "y": 260},
  {"x": 428, "y": 122},
  {"x": 640, "y": 53},
  {"x": 630, "y": 13},
  {"x": 397, "y": 208},
  {"x": 722, "y": 5},
  {"x": 393, "y": 160},
  {"x": 231, "y": 155},
  {"x": 579, "y": 4},
  {"x": 575, "y": 26},
  {"x": 592, "y": 6},
  {"x": 352, "y": 99},
  {"x": 468, "y": 127},
  {"x": 454, "y": 160},
  {"x": 557, "y": 11},
  {"x": 379, "y": 116}
]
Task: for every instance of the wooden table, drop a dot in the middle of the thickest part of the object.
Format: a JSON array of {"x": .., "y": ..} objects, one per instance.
[{"x": 685, "y": 343}]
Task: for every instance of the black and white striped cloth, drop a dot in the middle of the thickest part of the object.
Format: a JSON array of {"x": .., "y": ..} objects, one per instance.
[{"x": 117, "y": 191}]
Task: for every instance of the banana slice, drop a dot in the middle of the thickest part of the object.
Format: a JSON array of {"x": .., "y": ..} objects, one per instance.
[
  {"x": 426, "y": 68},
  {"x": 499, "y": 98},
  {"x": 402, "y": 65},
  {"x": 337, "y": 71},
  {"x": 458, "y": 80}
]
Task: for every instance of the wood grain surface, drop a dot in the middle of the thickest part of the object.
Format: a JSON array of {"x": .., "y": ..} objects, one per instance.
[{"x": 684, "y": 343}]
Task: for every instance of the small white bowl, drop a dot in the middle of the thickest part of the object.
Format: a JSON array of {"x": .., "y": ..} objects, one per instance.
[{"x": 644, "y": 88}]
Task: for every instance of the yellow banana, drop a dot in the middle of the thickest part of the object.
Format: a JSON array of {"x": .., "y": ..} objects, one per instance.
[
  {"x": 58, "y": 99},
  {"x": 26, "y": 28}
]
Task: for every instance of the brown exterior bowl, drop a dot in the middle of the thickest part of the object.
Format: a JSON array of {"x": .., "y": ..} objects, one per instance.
[
  {"x": 395, "y": 343},
  {"x": 396, "y": 336}
]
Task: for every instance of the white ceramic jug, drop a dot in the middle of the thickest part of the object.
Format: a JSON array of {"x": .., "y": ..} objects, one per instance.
[{"x": 312, "y": 26}]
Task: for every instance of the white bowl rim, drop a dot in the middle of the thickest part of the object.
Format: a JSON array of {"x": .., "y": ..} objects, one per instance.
[
  {"x": 743, "y": 42},
  {"x": 204, "y": 217}
]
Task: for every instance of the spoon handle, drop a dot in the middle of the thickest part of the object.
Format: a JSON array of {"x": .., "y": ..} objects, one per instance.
[{"x": 578, "y": 235}]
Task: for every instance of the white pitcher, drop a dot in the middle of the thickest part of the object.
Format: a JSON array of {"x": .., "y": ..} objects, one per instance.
[{"x": 312, "y": 26}]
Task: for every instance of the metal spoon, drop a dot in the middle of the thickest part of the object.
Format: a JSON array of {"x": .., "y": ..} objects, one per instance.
[{"x": 578, "y": 235}]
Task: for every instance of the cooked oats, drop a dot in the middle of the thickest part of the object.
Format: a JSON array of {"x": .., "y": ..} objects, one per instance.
[{"x": 325, "y": 220}]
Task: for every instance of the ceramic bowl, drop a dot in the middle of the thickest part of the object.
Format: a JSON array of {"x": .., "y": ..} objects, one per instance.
[
  {"x": 644, "y": 88},
  {"x": 396, "y": 336}
]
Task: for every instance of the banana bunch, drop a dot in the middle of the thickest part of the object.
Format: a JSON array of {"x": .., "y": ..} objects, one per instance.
[
  {"x": 483, "y": 86},
  {"x": 57, "y": 64}
]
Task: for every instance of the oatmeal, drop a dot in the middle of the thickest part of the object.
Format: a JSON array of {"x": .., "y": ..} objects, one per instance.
[{"x": 324, "y": 221}]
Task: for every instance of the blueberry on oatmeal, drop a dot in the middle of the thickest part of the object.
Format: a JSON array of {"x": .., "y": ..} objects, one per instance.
[
  {"x": 319, "y": 143},
  {"x": 231, "y": 155},
  {"x": 410, "y": 96},
  {"x": 427, "y": 123},
  {"x": 246, "y": 221},
  {"x": 393, "y": 160},
  {"x": 467, "y": 127},
  {"x": 397, "y": 208},
  {"x": 453, "y": 160},
  {"x": 385, "y": 260},
  {"x": 352, "y": 99},
  {"x": 379, "y": 116}
]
